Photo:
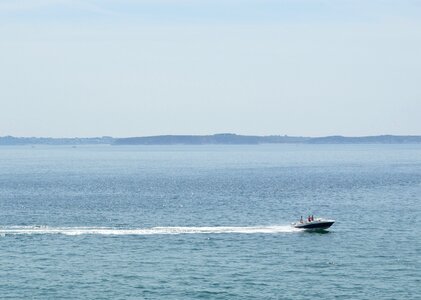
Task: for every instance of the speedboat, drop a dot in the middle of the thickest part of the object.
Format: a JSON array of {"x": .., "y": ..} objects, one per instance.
[{"x": 314, "y": 224}]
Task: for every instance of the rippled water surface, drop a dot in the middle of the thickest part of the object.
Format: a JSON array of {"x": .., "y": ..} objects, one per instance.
[{"x": 209, "y": 222}]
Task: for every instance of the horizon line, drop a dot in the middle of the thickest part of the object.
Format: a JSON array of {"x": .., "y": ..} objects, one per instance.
[{"x": 213, "y": 134}]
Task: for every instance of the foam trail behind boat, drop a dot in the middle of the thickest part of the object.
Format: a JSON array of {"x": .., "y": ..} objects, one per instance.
[{"x": 29, "y": 230}]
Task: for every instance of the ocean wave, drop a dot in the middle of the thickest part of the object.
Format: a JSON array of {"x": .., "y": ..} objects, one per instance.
[{"x": 28, "y": 230}]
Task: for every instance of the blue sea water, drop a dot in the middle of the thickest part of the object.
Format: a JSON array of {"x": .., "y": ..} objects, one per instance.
[{"x": 209, "y": 222}]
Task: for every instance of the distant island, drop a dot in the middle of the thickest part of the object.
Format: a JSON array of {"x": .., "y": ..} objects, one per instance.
[{"x": 216, "y": 139}]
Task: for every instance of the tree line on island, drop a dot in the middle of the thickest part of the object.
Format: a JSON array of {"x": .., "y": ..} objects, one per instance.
[{"x": 216, "y": 139}]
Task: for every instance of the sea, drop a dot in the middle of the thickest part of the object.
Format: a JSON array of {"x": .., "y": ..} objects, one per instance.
[{"x": 209, "y": 222}]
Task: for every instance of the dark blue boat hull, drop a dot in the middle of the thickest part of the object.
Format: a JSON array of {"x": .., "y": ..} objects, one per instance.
[{"x": 314, "y": 226}]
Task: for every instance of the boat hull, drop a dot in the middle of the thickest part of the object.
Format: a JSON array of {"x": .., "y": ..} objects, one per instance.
[{"x": 315, "y": 225}]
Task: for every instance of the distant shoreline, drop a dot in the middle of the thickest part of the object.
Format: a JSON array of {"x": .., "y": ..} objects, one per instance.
[{"x": 216, "y": 139}]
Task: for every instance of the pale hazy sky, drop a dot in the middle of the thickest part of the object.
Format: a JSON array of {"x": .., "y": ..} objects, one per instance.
[{"x": 147, "y": 67}]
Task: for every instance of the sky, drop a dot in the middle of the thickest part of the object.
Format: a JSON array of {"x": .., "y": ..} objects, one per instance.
[{"x": 262, "y": 67}]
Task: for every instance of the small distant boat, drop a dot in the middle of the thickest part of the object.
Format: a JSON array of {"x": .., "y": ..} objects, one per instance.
[{"x": 314, "y": 224}]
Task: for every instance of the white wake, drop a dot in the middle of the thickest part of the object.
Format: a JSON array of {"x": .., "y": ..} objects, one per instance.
[{"x": 28, "y": 230}]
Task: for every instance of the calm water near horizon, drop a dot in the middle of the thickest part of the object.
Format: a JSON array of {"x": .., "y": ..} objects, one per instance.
[{"x": 209, "y": 222}]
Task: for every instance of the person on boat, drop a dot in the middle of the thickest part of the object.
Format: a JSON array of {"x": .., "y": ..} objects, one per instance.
[
  {"x": 312, "y": 218},
  {"x": 301, "y": 220},
  {"x": 309, "y": 219}
]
